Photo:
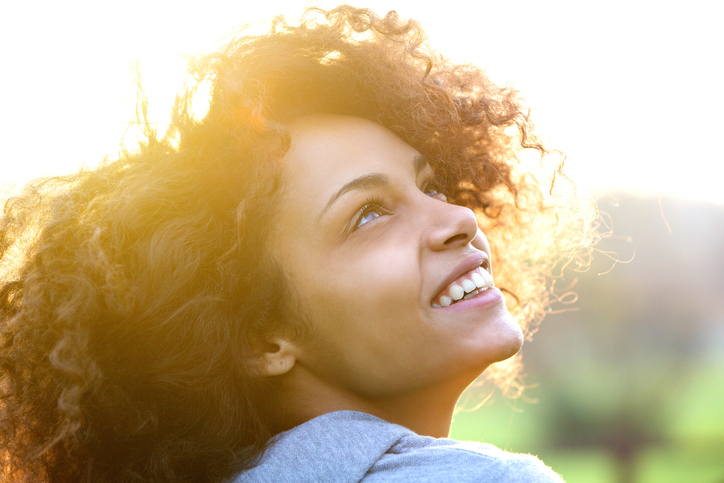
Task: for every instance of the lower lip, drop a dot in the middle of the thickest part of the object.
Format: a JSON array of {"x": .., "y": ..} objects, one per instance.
[{"x": 487, "y": 298}]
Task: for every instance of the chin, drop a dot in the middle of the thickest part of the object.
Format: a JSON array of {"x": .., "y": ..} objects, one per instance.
[
  {"x": 508, "y": 340},
  {"x": 516, "y": 343}
]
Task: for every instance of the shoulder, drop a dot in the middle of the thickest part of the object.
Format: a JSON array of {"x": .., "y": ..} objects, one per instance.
[
  {"x": 336, "y": 447},
  {"x": 423, "y": 459},
  {"x": 350, "y": 447}
]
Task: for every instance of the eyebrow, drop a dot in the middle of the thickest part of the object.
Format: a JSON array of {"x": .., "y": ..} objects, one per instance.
[{"x": 371, "y": 181}]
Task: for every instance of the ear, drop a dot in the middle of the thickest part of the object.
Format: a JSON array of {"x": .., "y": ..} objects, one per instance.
[{"x": 277, "y": 357}]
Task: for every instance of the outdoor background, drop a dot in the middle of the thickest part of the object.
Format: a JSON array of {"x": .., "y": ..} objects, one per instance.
[{"x": 628, "y": 386}]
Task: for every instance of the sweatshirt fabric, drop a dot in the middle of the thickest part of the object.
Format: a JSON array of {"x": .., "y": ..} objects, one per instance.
[{"x": 349, "y": 446}]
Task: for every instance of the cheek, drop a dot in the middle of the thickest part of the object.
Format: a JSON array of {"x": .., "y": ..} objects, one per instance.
[
  {"x": 364, "y": 293},
  {"x": 365, "y": 322},
  {"x": 384, "y": 283},
  {"x": 370, "y": 274}
]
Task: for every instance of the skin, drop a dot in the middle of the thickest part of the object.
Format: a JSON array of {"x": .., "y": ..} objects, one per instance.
[{"x": 365, "y": 276}]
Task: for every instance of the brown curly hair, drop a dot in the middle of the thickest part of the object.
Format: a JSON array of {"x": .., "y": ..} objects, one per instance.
[{"x": 131, "y": 293}]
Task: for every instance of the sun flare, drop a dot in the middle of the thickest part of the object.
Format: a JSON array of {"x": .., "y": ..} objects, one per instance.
[{"x": 591, "y": 94}]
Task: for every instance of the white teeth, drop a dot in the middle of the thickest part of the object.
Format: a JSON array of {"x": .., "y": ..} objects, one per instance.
[
  {"x": 469, "y": 285},
  {"x": 456, "y": 292},
  {"x": 478, "y": 280}
]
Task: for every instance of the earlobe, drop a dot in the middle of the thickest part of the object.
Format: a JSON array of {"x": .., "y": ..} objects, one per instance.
[{"x": 278, "y": 358}]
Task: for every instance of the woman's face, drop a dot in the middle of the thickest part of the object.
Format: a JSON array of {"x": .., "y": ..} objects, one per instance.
[{"x": 371, "y": 249}]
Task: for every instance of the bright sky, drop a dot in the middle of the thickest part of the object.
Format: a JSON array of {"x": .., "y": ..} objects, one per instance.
[{"x": 632, "y": 91}]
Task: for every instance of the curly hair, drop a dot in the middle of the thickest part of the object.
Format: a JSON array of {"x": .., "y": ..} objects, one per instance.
[{"x": 131, "y": 294}]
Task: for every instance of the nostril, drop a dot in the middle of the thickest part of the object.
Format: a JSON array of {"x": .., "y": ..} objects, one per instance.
[{"x": 460, "y": 237}]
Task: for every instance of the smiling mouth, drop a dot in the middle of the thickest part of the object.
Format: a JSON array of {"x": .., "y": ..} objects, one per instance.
[{"x": 467, "y": 286}]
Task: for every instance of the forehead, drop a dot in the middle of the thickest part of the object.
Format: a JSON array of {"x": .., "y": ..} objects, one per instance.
[{"x": 328, "y": 151}]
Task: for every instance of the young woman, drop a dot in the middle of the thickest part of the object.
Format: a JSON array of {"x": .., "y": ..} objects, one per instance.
[{"x": 295, "y": 287}]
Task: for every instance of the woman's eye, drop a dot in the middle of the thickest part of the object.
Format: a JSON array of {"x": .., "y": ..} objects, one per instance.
[
  {"x": 432, "y": 190},
  {"x": 371, "y": 215}
]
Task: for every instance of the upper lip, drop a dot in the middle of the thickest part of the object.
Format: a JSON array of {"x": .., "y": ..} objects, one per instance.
[{"x": 470, "y": 262}]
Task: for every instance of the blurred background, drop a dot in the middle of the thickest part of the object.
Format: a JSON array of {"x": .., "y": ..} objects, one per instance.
[{"x": 626, "y": 387}]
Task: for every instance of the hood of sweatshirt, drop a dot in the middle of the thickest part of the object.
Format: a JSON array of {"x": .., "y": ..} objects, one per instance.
[
  {"x": 340, "y": 446},
  {"x": 348, "y": 446}
]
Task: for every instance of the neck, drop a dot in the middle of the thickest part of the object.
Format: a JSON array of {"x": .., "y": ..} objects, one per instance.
[{"x": 427, "y": 411}]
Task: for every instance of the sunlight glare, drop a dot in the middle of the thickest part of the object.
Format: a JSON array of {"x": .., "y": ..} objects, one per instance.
[{"x": 634, "y": 110}]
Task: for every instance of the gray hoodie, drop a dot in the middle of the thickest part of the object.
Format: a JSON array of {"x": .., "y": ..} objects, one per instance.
[{"x": 349, "y": 446}]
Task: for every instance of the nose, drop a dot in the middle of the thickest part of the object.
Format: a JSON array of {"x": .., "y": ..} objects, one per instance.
[{"x": 450, "y": 226}]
